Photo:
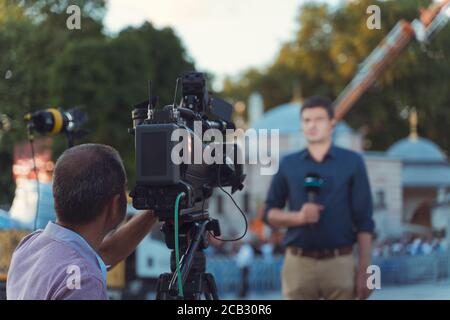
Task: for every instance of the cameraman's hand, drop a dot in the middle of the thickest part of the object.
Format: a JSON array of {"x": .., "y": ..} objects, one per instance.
[
  {"x": 150, "y": 214},
  {"x": 309, "y": 213}
]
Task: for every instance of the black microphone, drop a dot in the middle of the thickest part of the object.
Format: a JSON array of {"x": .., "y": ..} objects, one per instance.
[
  {"x": 53, "y": 121},
  {"x": 313, "y": 183}
]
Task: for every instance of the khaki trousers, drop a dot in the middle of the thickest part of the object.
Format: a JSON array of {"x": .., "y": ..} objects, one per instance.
[{"x": 306, "y": 278}]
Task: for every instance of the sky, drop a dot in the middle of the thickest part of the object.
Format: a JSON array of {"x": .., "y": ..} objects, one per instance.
[{"x": 224, "y": 37}]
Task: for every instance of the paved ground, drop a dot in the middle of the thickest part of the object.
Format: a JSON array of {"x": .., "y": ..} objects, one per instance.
[{"x": 426, "y": 291}]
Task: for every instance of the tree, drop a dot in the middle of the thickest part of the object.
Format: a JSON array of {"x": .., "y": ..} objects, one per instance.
[
  {"x": 325, "y": 54},
  {"x": 108, "y": 77},
  {"x": 103, "y": 74},
  {"x": 32, "y": 35}
]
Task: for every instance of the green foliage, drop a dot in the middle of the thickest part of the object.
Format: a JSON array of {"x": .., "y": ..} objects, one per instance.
[
  {"x": 104, "y": 75},
  {"x": 107, "y": 77},
  {"x": 325, "y": 54}
]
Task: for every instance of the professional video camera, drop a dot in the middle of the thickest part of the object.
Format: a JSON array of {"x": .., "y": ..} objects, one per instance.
[
  {"x": 159, "y": 180},
  {"x": 161, "y": 183}
]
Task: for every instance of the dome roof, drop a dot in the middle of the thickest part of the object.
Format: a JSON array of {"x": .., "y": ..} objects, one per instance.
[
  {"x": 417, "y": 149},
  {"x": 286, "y": 118}
]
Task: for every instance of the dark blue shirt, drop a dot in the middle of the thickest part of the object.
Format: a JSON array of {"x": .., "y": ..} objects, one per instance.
[{"x": 345, "y": 194}]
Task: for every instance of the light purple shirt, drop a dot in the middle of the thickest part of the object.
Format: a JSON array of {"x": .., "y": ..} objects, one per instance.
[{"x": 56, "y": 264}]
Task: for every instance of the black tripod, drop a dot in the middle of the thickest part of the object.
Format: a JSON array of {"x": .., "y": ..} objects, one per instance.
[{"x": 193, "y": 237}]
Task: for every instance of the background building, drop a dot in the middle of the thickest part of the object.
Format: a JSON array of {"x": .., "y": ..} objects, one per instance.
[{"x": 405, "y": 180}]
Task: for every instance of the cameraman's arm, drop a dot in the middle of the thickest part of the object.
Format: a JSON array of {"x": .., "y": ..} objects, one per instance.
[{"x": 120, "y": 244}]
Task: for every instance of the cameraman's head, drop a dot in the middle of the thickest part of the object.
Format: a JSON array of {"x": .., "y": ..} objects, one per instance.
[
  {"x": 317, "y": 116},
  {"x": 89, "y": 184}
]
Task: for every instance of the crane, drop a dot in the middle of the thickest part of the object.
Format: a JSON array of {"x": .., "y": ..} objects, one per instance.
[{"x": 431, "y": 21}]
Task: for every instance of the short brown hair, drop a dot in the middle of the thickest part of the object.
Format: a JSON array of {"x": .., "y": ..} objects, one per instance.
[
  {"x": 86, "y": 177},
  {"x": 319, "y": 102}
]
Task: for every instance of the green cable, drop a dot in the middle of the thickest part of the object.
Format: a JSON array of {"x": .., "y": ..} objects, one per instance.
[{"x": 177, "y": 253}]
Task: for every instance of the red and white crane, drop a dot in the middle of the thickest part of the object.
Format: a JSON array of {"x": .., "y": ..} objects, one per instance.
[{"x": 432, "y": 20}]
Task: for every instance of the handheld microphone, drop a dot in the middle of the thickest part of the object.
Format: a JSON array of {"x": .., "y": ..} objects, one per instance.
[{"x": 313, "y": 183}]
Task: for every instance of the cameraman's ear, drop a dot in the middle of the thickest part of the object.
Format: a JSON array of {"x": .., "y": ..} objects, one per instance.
[{"x": 118, "y": 207}]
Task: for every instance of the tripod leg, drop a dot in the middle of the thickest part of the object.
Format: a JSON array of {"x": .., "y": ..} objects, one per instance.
[
  {"x": 211, "y": 291},
  {"x": 197, "y": 286},
  {"x": 162, "y": 288},
  {"x": 201, "y": 284}
]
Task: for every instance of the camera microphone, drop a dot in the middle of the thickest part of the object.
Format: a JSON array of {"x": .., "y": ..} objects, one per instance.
[{"x": 53, "y": 121}]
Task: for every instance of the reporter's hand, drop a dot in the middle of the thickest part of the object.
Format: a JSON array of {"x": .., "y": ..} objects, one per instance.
[
  {"x": 362, "y": 290},
  {"x": 309, "y": 213}
]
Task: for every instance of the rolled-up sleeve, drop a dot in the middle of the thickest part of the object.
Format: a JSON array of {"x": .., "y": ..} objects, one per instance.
[
  {"x": 361, "y": 199},
  {"x": 277, "y": 194}
]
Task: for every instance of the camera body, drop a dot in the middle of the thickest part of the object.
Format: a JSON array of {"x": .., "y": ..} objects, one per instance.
[{"x": 159, "y": 179}]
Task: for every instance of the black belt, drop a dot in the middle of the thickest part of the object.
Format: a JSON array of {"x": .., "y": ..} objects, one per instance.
[{"x": 321, "y": 253}]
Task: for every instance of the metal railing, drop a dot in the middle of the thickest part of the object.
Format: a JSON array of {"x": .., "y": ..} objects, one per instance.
[{"x": 265, "y": 275}]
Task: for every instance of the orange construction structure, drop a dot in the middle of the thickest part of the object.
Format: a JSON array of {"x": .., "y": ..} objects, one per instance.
[{"x": 432, "y": 20}]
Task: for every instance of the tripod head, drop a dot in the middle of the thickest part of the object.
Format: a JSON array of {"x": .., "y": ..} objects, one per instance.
[{"x": 189, "y": 231}]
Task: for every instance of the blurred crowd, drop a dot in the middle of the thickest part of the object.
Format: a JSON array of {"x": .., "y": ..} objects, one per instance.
[
  {"x": 410, "y": 245},
  {"x": 265, "y": 248}
]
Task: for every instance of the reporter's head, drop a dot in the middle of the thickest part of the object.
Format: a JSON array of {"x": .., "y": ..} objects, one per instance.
[
  {"x": 89, "y": 186},
  {"x": 317, "y": 116}
]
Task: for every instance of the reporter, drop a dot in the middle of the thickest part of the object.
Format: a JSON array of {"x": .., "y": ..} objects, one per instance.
[
  {"x": 69, "y": 258},
  {"x": 321, "y": 237}
]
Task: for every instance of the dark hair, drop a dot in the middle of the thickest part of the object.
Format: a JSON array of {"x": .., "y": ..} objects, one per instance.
[
  {"x": 319, "y": 102},
  {"x": 86, "y": 177}
]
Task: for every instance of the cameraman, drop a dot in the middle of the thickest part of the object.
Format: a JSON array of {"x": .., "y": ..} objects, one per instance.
[
  {"x": 69, "y": 259},
  {"x": 320, "y": 236}
]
